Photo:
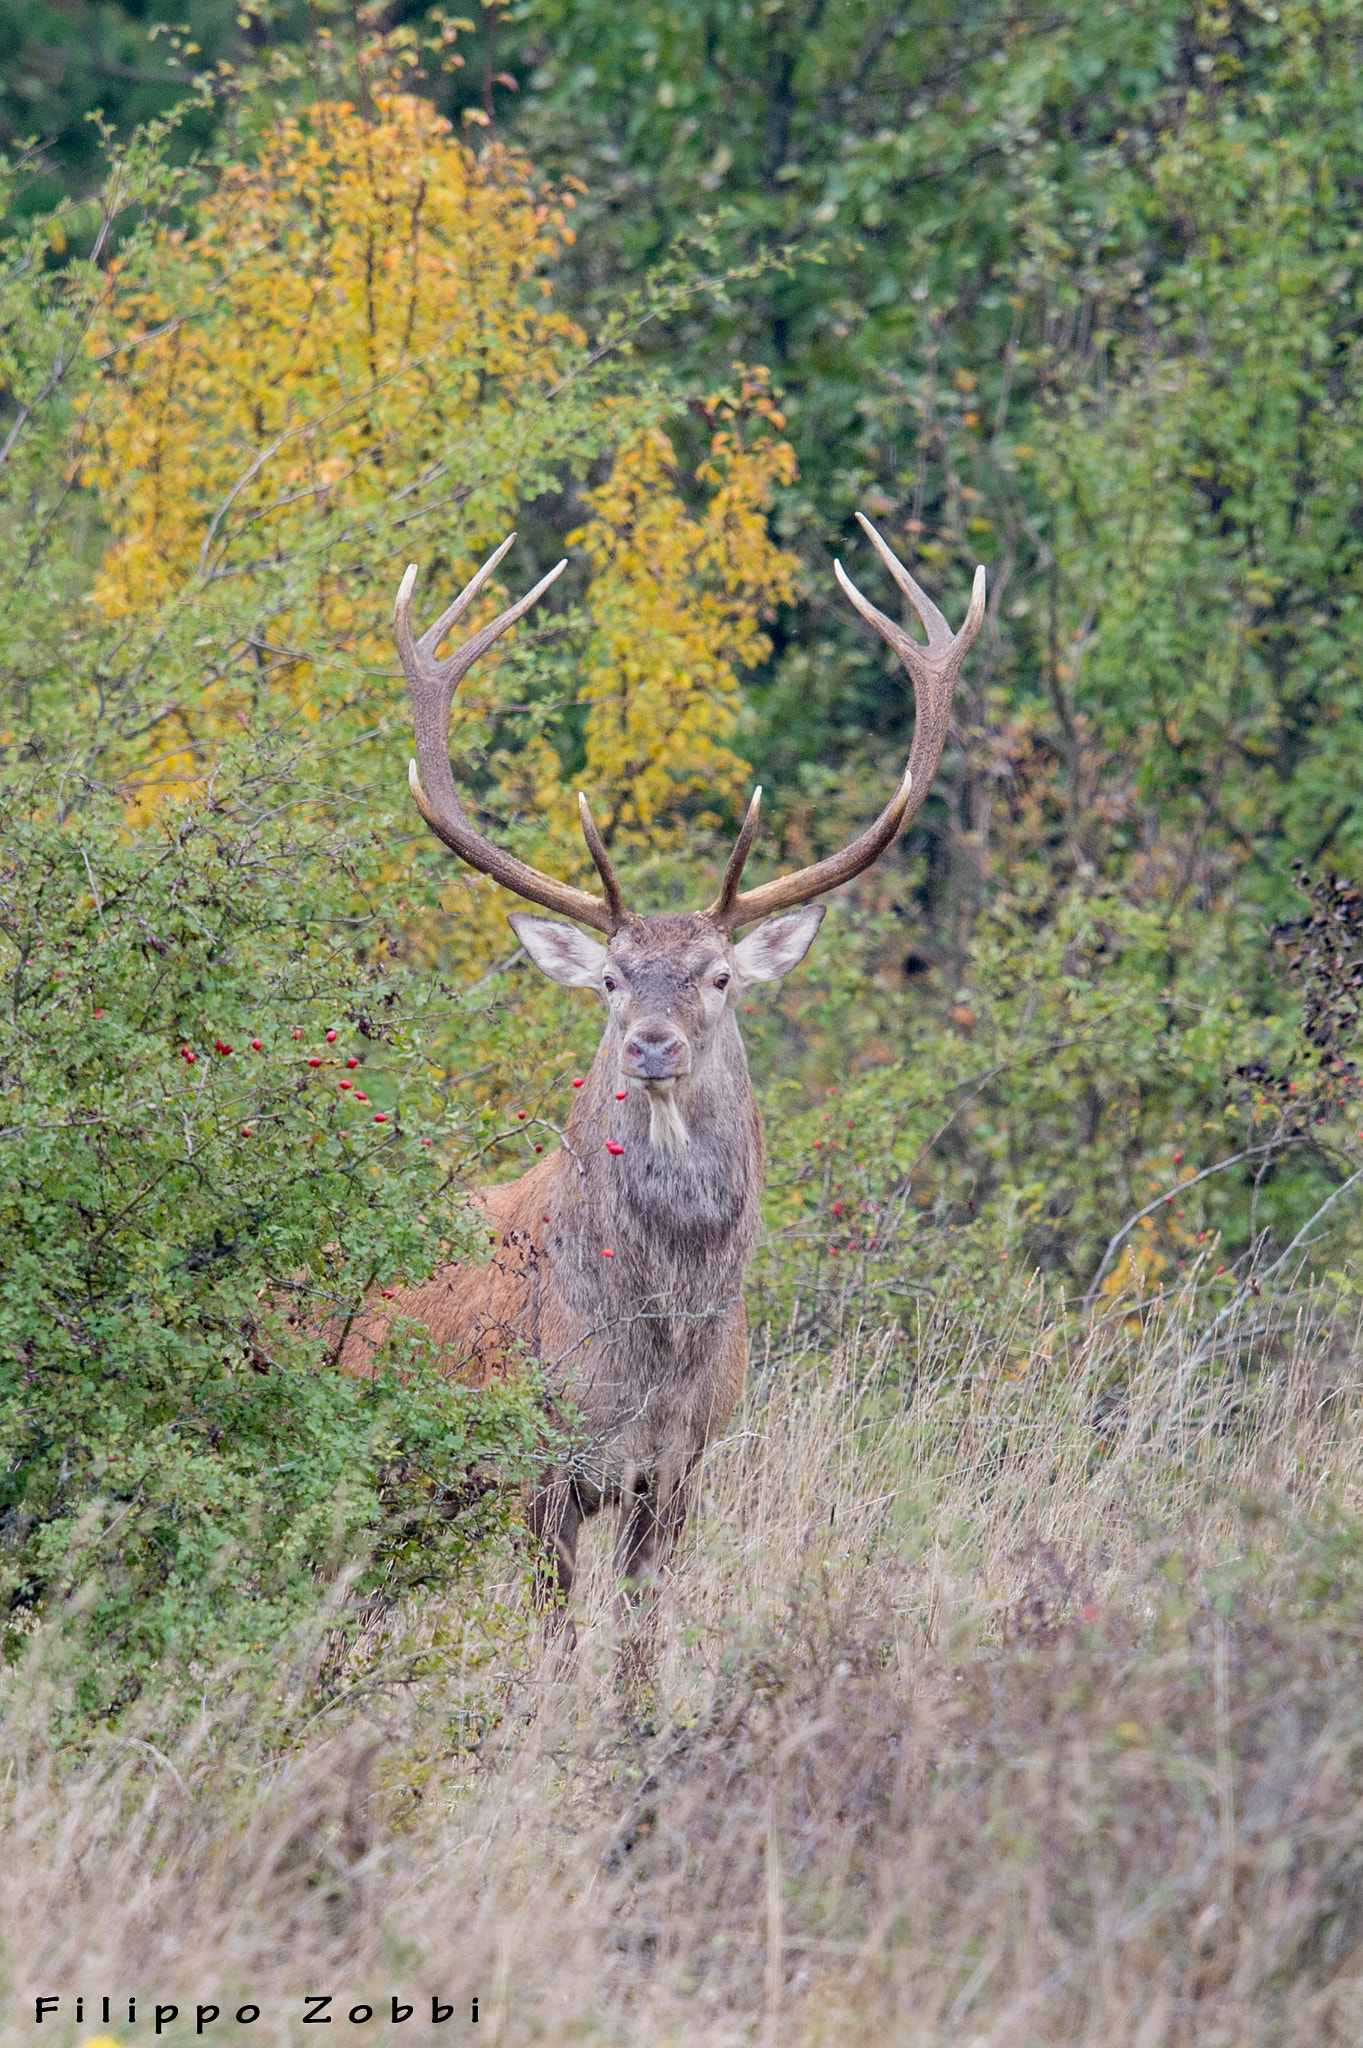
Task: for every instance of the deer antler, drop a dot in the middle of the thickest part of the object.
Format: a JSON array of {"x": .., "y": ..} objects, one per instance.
[
  {"x": 432, "y": 685},
  {"x": 934, "y": 669}
]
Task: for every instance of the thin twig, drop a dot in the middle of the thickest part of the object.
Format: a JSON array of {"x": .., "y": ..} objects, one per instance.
[{"x": 1221, "y": 1166}]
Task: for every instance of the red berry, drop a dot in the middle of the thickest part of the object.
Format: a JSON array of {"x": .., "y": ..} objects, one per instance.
[
  {"x": 298, "y": 1031},
  {"x": 387, "y": 1293},
  {"x": 345, "y": 1084},
  {"x": 246, "y": 1131},
  {"x": 314, "y": 1060},
  {"x": 1178, "y": 1159},
  {"x": 352, "y": 1063},
  {"x": 578, "y": 1082},
  {"x": 360, "y": 1095},
  {"x": 837, "y": 1208},
  {"x": 521, "y": 1115},
  {"x": 221, "y": 1045},
  {"x": 606, "y": 1252},
  {"x": 380, "y": 1118},
  {"x": 99, "y": 1013},
  {"x": 539, "y": 1148},
  {"x": 426, "y": 1141},
  {"x": 186, "y": 1054},
  {"x": 1220, "y": 1269},
  {"x": 621, "y": 1093},
  {"x": 256, "y": 1045},
  {"x": 331, "y": 1038},
  {"x": 749, "y": 1009},
  {"x": 612, "y": 1147}
]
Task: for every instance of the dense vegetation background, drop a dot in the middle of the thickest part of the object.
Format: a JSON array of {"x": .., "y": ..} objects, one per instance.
[
  {"x": 1010, "y": 1685},
  {"x": 289, "y": 299}
]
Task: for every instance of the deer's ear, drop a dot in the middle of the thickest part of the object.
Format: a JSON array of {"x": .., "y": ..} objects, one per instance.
[
  {"x": 560, "y": 950},
  {"x": 770, "y": 952}
]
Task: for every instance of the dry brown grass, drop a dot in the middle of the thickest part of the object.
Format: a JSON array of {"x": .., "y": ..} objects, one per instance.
[{"x": 896, "y": 1789}]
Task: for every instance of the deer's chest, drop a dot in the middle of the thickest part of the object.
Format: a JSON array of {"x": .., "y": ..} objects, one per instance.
[{"x": 651, "y": 1261}]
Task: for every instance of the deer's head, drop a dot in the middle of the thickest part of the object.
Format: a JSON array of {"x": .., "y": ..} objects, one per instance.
[
  {"x": 671, "y": 986},
  {"x": 671, "y": 983}
]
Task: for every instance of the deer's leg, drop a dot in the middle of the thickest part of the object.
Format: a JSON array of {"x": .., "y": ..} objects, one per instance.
[
  {"x": 554, "y": 1516},
  {"x": 638, "y": 1546},
  {"x": 639, "y": 1550},
  {"x": 652, "y": 1522},
  {"x": 654, "y": 1517}
]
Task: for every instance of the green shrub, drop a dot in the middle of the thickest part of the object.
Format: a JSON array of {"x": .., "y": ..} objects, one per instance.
[{"x": 189, "y": 1202}]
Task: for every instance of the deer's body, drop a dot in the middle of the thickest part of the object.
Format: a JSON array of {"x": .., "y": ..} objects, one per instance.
[
  {"x": 622, "y": 1272},
  {"x": 619, "y": 1262}
]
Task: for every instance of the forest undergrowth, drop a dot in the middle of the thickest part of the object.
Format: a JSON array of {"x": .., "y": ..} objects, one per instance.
[{"x": 1008, "y": 1692}]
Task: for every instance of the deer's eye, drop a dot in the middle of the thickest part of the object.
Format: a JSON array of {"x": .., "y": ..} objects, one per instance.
[
  {"x": 721, "y": 981},
  {"x": 608, "y": 983}
]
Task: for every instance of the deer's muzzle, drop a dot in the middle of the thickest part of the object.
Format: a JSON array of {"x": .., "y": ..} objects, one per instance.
[{"x": 656, "y": 1052}]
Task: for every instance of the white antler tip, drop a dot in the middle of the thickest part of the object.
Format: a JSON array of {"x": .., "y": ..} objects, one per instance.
[
  {"x": 405, "y": 588},
  {"x": 413, "y": 779}
]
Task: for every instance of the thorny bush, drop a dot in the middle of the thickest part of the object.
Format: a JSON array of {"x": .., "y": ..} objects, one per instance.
[{"x": 215, "y": 1139}]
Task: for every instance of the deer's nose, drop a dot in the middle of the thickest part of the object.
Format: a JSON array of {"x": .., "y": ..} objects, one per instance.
[{"x": 655, "y": 1052}]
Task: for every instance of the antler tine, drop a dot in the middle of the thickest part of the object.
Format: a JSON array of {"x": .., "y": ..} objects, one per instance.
[
  {"x": 938, "y": 664},
  {"x": 934, "y": 624},
  {"x": 431, "y": 685},
  {"x": 934, "y": 669},
  {"x": 728, "y": 889},
  {"x": 596, "y": 847},
  {"x": 433, "y": 635}
]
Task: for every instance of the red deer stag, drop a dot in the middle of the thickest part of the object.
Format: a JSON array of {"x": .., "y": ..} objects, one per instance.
[{"x": 621, "y": 1257}]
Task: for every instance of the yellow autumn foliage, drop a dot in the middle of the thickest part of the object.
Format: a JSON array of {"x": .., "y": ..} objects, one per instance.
[
  {"x": 352, "y": 360},
  {"x": 676, "y": 607},
  {"x": 677, "y": 602},
  {"x": 346, "y": 298},
  {"x": 342, "y": 365}
]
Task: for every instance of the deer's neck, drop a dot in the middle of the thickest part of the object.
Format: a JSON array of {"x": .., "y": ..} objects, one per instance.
[{"x": 693, "y": 1200}]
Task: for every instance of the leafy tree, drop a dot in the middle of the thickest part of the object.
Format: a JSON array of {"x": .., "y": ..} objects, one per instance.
[
  {"x": 355, "y": 357},
  {"x": 676, "y": 604},
  {"x": 1076, "y": 296},
  {"x": 352, "y": 357}
]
